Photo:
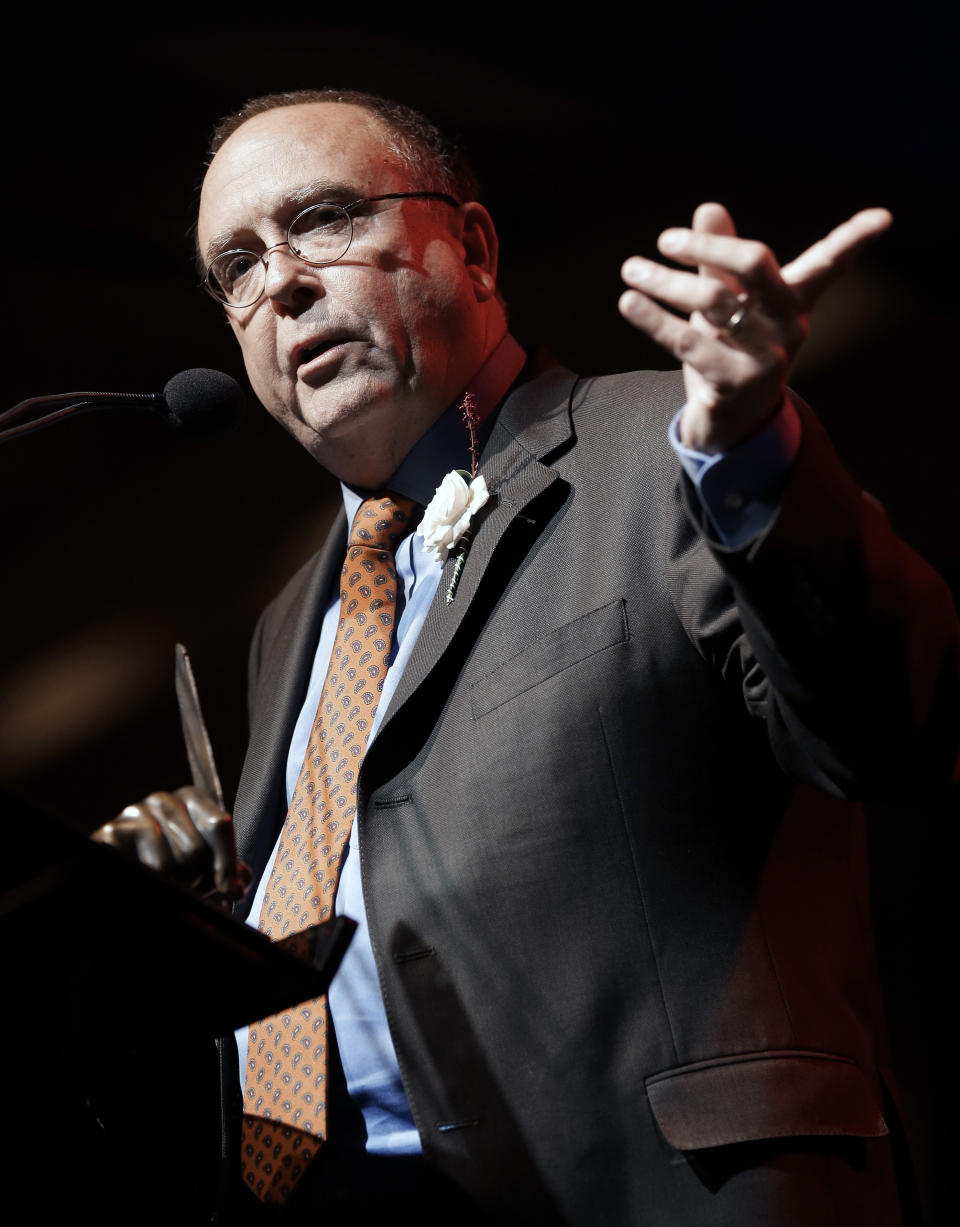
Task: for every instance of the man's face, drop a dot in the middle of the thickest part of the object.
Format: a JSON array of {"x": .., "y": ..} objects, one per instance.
[{"x": 358, "y": 358}]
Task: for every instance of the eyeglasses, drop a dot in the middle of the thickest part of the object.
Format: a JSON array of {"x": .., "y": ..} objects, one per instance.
[{"x": 320, "y": 234}]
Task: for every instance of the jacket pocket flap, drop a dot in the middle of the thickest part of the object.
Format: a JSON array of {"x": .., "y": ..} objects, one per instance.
[
  {"x": 763, "y": 1095},
  {"x": 567, "y": 645}
]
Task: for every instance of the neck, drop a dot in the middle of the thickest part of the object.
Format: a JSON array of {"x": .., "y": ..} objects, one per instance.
[{"x": 446, "y": 445}]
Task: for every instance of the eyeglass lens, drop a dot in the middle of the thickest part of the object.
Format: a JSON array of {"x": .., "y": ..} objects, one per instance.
[{"x": 319, "y": 235}]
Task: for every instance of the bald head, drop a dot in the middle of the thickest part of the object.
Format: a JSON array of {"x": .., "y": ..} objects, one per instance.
[{"x": 429, "y": 155}]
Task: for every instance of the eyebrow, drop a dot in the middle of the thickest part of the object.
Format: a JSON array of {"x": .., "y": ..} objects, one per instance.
[{"x": 291, "y": 202}]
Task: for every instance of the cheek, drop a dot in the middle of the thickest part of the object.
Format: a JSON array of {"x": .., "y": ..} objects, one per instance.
[
  {"x": 417, "y": 292},
  {"x": 435, "y": 298},
  {"x": 259, "y": 352},
  {"x": 439, "y": 316}
]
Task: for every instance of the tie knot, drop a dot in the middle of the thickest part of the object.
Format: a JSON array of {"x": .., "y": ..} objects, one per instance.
[{"x": 382, "y": 522}]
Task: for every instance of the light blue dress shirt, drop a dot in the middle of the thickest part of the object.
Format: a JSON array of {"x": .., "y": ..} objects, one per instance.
[
  {"x": 739, "y": 505},
  {"x": 356, "y": 1006},
  {"x": 740, "y": 489}
]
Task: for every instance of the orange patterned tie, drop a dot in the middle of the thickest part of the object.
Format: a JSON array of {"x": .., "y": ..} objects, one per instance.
[{"x": 284, "y": 1101}]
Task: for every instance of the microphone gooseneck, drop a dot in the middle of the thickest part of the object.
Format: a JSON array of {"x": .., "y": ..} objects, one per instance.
[{"x": 198, "y": 402}]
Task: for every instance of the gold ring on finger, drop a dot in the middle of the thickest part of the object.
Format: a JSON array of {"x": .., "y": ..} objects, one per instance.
[{"x": 737, "y": 318}]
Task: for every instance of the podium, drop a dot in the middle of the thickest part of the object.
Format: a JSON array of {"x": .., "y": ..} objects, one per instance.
[{"x": 117, "y": 986}]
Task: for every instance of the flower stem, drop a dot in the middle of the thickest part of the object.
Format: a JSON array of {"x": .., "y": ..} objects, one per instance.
[
  {"x": 471, "y": 419},
  {"x": 463, "y": 548}
]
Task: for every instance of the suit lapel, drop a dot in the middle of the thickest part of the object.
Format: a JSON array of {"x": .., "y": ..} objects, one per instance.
[{"x": 533, "y": 423}]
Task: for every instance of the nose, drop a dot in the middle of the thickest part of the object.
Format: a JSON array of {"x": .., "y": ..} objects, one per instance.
[{"x": 290, "y": 284}]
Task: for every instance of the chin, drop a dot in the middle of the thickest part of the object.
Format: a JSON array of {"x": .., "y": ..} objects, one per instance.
[
  {"x": 332, "y": 427},
  {"x": 334, "y": 418}
]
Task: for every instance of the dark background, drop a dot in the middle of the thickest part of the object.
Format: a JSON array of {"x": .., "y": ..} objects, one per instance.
[{"x": 591, "y": 134}]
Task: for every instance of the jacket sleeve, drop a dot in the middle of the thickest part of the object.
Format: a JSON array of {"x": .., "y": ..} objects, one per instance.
[{"x": 841, "y": 637}]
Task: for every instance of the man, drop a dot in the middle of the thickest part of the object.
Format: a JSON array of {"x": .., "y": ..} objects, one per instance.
[{"x": 610, "y": 965}]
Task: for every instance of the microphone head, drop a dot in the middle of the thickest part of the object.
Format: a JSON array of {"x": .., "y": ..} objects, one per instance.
[{"x": 203, "y": 402}]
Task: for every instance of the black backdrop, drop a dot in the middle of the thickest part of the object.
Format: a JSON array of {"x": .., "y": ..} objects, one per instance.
[{"x": 590, "y": 136}]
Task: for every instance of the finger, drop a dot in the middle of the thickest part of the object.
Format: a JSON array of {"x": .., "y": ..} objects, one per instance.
[
  {"x": 186, "y": 843},
  {"x": 687, "y": 292},
  {"x": 713, "y": 218},
  {"x": 722, "y": 364},
  {"x": 216, "y": 829},
  {"x": 135, "y": 833},
  {"x": 752, "y": 264},
  {"x": 812, "y": 271}
]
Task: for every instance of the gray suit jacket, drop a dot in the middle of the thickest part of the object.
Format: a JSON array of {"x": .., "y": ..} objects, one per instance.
[{"x": 615, "y": 886}]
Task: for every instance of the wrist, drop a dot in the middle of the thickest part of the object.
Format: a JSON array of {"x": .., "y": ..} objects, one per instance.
[{"x": 709, "y": 434}]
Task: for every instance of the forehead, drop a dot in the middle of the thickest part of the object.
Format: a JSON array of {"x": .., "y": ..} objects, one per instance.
[{"x": 264, "y": 163}]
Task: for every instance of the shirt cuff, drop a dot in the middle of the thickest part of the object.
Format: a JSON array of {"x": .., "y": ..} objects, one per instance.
[{"x": 740, "y": 490}]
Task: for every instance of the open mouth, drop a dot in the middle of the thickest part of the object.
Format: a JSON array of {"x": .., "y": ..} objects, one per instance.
[{"x": 308, "y": 352}]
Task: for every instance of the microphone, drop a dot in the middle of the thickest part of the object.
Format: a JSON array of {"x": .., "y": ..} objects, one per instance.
[
  {"x": 197, "y": 402},
  {"x": 202, "y": 402}
]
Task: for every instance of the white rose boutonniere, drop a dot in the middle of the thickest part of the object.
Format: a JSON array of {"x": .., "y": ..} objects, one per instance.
[
  {"x": 450, "y": 511},
  {"x": 446, "y": 521}
]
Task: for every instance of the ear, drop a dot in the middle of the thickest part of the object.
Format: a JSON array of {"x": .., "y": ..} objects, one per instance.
[{"x": 480, "y": 248}]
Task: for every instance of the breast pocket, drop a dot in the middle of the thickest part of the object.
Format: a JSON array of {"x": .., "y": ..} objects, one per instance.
[{"x": 560, "y": 649}]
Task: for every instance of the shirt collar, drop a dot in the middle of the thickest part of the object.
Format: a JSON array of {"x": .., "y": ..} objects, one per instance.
[{"x": 446, "y": 445}]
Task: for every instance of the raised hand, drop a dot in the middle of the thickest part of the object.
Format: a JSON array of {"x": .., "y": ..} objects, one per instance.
[{"x": 746, "y": 316}]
